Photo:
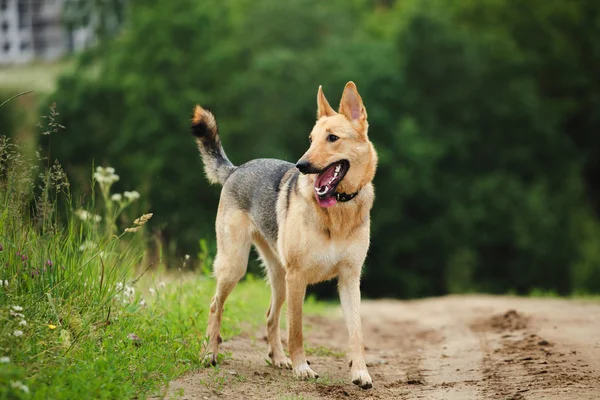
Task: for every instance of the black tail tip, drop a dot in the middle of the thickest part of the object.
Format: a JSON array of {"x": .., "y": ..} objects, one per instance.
[{"x": 203, "y": 123}]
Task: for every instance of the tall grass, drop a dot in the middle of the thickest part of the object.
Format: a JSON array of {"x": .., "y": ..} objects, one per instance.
[{"x": 62, "y": 268}]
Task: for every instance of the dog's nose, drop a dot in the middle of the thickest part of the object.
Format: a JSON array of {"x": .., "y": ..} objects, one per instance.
[{"x": 303, "y": 166}]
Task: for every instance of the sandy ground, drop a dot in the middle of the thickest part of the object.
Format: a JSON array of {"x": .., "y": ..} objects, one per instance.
[{"x": 456, "y": 347}]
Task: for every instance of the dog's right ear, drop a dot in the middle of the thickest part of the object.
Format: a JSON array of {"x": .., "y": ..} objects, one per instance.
[{"x": 323, "y": 107}]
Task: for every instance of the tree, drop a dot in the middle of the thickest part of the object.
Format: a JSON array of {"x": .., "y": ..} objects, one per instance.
[{"x": 475, "y": 107}]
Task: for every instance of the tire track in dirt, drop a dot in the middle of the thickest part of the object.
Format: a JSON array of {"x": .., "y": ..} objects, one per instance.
[
  {"x": 519, "y": 363},
  {"x": 451, "y": 366},
  {"x": 455, "y": 347}
]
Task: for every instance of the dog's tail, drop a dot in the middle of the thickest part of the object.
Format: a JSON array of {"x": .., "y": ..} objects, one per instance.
[{"x": 216, "y": 164}]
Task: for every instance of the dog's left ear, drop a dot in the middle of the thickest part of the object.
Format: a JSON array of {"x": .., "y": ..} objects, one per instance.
[
  {"x": 352, "y": 107},
  {"x": 323, "y": 107}
]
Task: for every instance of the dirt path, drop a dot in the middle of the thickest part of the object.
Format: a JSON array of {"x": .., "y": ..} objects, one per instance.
[{"x": 456, "y": 347}]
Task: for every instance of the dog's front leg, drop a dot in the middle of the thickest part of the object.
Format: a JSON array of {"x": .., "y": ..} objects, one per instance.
[
  {"x": 296, "y": 289},
  {"x": 349, "y": 287}
]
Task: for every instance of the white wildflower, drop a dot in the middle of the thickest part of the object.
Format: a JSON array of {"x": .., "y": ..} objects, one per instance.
[
  {"x": 4, "y": 360},
  {"x": 18, "y": 333},
  {"x": 131, "y": 196},
  {"x": 19, "y": 385},
  {"x": 16, "y": 314},
  {"x": 105, "y": 175},
  {"x": 119, "y": 286},
  {"x": 23, "y": 322},
  {"x": 129, "y": 291},
  {"x": 87, "y": 216},
  {"x": 116, "y": 197},
  {"x": 187, "y": 257},
  {"x": 99, "y": 177},
  {"x": 87, "y": 245},
  {"x": 3, "y": 283},
  {"x": 17, "y": 308},
  {"x": 142, "y": 302},
  {"x": 152, "y": 291},
  {"x": 83, "y": 215},
  {"x": 162, "y": 284}
]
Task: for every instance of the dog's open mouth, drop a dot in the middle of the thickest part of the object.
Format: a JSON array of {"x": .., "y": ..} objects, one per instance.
[{"x": 328, "y": 180}]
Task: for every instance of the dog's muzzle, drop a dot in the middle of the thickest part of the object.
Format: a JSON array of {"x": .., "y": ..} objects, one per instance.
[{"x": 306, "y": 167}]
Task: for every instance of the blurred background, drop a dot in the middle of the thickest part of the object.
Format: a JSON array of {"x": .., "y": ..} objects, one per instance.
[{"x": 485, "y": 114}]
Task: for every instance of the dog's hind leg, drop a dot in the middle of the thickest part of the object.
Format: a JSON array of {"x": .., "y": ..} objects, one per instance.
[
  {"x": 276, "y": 275},
  {"x": 231, "y": 262}
]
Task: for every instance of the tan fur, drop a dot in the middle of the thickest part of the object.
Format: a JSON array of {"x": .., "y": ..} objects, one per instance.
[{"x": 314, "y": 243}]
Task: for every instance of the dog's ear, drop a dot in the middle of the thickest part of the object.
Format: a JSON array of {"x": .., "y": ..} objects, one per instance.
[
  {"x": 352, "y": 107},
  {"x": 323, "y": 107}
]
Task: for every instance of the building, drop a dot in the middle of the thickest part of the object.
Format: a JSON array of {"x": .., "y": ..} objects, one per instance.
[{"x": 34, "y": 30}]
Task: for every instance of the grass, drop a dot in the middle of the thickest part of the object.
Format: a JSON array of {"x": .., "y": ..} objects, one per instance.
[
  {"x": 82, "y": 315},
  {"x": 139, "y": 351},
  {"x": 39, "y": 76},
  {"x": 543, "y": 293},
  {"x": 321, "y": 351}
]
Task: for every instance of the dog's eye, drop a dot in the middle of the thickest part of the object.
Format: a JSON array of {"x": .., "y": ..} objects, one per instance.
[{"x": 332, "y": 138}]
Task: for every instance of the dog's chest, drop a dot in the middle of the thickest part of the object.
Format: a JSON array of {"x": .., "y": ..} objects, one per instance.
[
  {"x": 322, "y": 259},
  {"x": 321, "y": 255},
  {"x": 325, "y": 252}
]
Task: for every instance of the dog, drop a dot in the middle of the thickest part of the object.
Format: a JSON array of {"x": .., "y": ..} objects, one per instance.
[{"x": 309, "y": 222}]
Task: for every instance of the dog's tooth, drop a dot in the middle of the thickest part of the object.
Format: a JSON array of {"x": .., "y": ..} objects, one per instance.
[{"x": 322, "y": 190}]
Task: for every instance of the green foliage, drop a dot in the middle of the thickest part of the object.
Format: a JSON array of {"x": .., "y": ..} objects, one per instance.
[
  {"x": 484, "y": 113},
  {"x": 76, "y": 319},
  {"x": 60, "y": 274}
]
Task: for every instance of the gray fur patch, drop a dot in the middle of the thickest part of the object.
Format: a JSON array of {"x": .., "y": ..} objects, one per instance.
[{"x": 255, "y": 186}]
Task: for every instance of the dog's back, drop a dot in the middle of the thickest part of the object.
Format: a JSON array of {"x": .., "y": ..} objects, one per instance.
[{"x": 254, "y": 187}]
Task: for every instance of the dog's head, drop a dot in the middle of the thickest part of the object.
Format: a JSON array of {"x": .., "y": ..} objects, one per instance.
[{"x": 340, "y": 157}]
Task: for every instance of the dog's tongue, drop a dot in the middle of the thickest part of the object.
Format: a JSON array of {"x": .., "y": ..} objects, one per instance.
[
  {"x": 322, "y": 185},
  {"x": 324, "y": 177},
  {"x": 327, "y": 201}
]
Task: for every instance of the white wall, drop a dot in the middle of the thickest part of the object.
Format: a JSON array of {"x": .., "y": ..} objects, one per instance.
[{"x": 32, "y": 29}]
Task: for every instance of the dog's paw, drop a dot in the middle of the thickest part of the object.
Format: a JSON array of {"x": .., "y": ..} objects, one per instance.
[
  {"x": 303, "y": 371},
  {"x": 362, "y": 379},
  {"x": 210, "y": 360},
  {"x": 281, "y": 362}
]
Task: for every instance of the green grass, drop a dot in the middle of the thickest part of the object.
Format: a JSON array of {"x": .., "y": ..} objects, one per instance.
[
  {"x": 321, "y": 351},
  {"x": 81, "y": 314},
  {"x": 552, "y": 294},
  {"x": 40, "y": 77},
  {"x": 104, "y": 362}
]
